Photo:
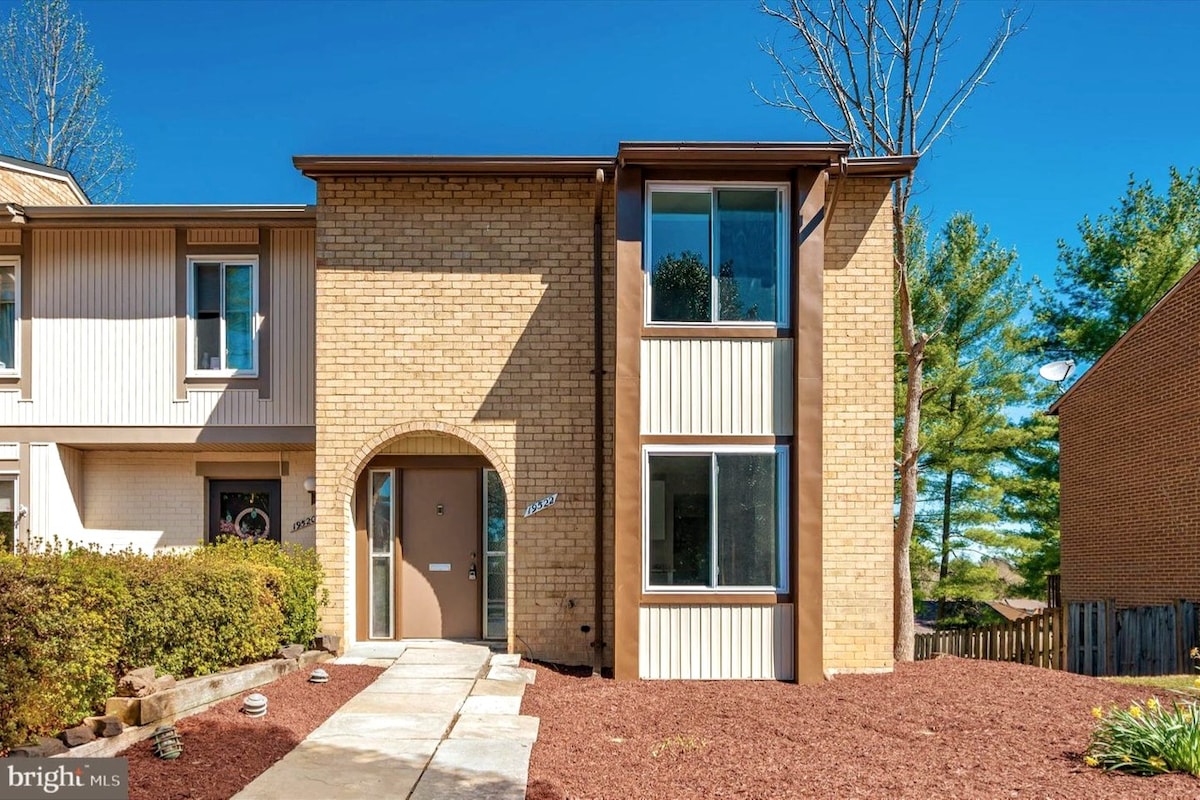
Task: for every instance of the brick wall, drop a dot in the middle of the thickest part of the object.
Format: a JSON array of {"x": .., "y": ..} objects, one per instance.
[
  {"x": 464, "y": 305},
  {"x": 1129, "y": 436},
  {"x": 161, "y": 494},
  {"x": 858, "y": 439}
]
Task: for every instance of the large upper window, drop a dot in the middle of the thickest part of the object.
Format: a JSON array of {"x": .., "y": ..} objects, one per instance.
[
  {"x": 717, "y": 254},
  {"x": 716, "y": 519},
  {"x": 10, "y": 315},
  {"x": 223, "y": 316}
]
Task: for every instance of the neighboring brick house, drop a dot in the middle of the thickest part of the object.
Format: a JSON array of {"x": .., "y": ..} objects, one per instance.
[
  {"x": 1129, "y": 458},
  {"x": 694, "y": 482}
]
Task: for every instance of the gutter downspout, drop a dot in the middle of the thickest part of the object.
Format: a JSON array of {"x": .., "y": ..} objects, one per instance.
[
  {"x": 598, "y": 643},
  {"x": 838, "y": 171}
]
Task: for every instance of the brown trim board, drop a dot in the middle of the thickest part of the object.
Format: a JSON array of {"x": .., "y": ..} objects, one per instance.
[
  {"x": 627, "y": 457},
  {"x": 714, "y": 332},
  {"x": 808, "y": 247},
  {"x": 713, "y": 599},
  {"x": 237, "y": 470},
  {"x": 261, "y": 251},
  {"x": 116, "y": 436}
]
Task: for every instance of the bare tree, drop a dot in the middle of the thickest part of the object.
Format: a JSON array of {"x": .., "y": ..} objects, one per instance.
[
  {"x": 866, "y": 72},
  {"x": 52, "y": 110}
]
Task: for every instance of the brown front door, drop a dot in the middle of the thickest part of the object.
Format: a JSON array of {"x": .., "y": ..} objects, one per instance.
[{"x": 440, "y": 541}]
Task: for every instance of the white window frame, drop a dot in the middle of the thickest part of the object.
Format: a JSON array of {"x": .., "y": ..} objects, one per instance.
[
  {"x": 230, "y": 260},
  {"x": 15, "y": 263},
  {"x": 372, "y": 555},
  {"x": 782, "y": 506},
  {"x": 782, "y": 272},
  {"x": 15, "y": 477},
  {"x": 483, "y": 548}
]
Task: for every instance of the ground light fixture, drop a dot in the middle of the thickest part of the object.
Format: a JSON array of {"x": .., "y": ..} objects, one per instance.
[
  {"x": 255, "y": 705},
  {"x": 318, "y": 676},
  {"x": 1057, "y": 372},
  {"x": 167, "y": 744}
]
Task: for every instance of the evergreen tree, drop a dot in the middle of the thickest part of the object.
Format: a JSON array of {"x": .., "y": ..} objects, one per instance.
[
  {"x": 978, "y": 367},
  {"x": 1126, "y": 262}
]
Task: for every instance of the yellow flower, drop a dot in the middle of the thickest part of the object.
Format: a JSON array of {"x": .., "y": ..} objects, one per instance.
[
  {"x": 1097, "y": 712},
  {"x": 1135, "y": 711},
  {"x": 1186, "y": 716},
  {"x": 1126, "y": 759},
  {"x": 1195, "y": 652},
  {"x": 1152, "y": 704},
  {"x": 1091, "y": 761},
  {"x": 1196, "y": 683},
  {"x": 1157, "y": 762}
]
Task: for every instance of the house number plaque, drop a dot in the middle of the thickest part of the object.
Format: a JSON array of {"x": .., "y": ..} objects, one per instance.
[{"x": 545, "y": 502}]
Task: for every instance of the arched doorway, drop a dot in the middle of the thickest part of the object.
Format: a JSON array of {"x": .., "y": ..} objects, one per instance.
[{"x": 431, "y": 523}]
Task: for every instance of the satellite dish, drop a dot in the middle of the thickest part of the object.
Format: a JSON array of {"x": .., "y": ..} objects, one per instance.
[{"x": 1057, "y": 371}]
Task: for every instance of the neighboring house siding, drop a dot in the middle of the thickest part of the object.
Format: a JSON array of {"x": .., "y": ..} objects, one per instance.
[
  {"x": 141, "y": 499},
  {"x": 155, "y": 499},
  {"x": 1130, "y": 464},
  {"x": 858, "y": 369},
  {"x": 103, "y": 303},
  {"x": 17, "y": 186},
  {"x": 467, "y": 303}
]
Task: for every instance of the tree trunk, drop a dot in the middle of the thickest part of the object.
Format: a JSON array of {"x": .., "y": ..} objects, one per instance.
[
  {"x": 914, "y": 350},
  {"x": 944, "y": 566}
]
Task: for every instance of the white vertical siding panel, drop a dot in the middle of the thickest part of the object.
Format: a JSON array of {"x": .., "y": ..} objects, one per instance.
[
  {"x": 716, "y": 642},
  {"x": 717, "y": 386},
  {"x": 103, "y": 305}
]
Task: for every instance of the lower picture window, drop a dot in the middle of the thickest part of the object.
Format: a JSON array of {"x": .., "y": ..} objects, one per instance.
[{"x": 716, "y": 520}]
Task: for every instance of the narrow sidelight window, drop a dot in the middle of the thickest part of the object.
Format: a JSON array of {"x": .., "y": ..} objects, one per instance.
[
  {"x": 223, "y": 317},
  {"x": 495, "y": 541}
]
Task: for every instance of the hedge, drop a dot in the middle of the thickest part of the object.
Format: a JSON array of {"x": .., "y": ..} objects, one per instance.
[{"x": 73, "y": 622}]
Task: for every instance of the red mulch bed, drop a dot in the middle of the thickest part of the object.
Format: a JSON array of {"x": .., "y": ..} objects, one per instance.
[
  {"x": 223, "y": 749},
  {"x": 949, "y": 728}
]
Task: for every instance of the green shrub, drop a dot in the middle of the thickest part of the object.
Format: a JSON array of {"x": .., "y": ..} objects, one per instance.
[
  {"x": 72, "y": 622},
  {"x": 1147, "y": 740},
  {"x": 60, "y": 635},
  {"x": 300, "y": 593},
  {"x": 190, "y": 615}
]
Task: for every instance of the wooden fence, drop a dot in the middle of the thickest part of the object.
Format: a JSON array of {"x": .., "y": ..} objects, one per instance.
[
  {"x": 1038, "y": 641},
  {"x": 1148, "y": 640}
]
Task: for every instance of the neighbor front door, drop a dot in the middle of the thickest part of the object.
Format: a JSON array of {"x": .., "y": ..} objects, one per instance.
[{"x": 440, "y": 544}]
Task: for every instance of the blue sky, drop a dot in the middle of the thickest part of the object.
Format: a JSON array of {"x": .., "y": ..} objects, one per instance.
[{"x": 215, "y": 97}]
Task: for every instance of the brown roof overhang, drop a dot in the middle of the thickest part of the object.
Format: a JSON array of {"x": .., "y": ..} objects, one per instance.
[
  {"x": 555, "y": 166},
  {"x": 167, "y": 215},
  {"x": 881, "y": 166},
  {"x": 762, "y": 154}
]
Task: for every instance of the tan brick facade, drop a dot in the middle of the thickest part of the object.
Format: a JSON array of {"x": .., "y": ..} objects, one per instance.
[
  {"x": 464, "y": 306},
  {"x": 1129, "y": 452},
  {"x": 858, "y": 412}
]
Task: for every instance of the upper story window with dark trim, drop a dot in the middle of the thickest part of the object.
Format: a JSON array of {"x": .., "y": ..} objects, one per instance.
[
  {"x": 10, "y": 315},
  {"x": 223, "y": 319},
  {"x": 716, "y": 254}
]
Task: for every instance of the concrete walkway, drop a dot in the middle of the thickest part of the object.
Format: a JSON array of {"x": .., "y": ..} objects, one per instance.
[{"x": 442, "y": 722}]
